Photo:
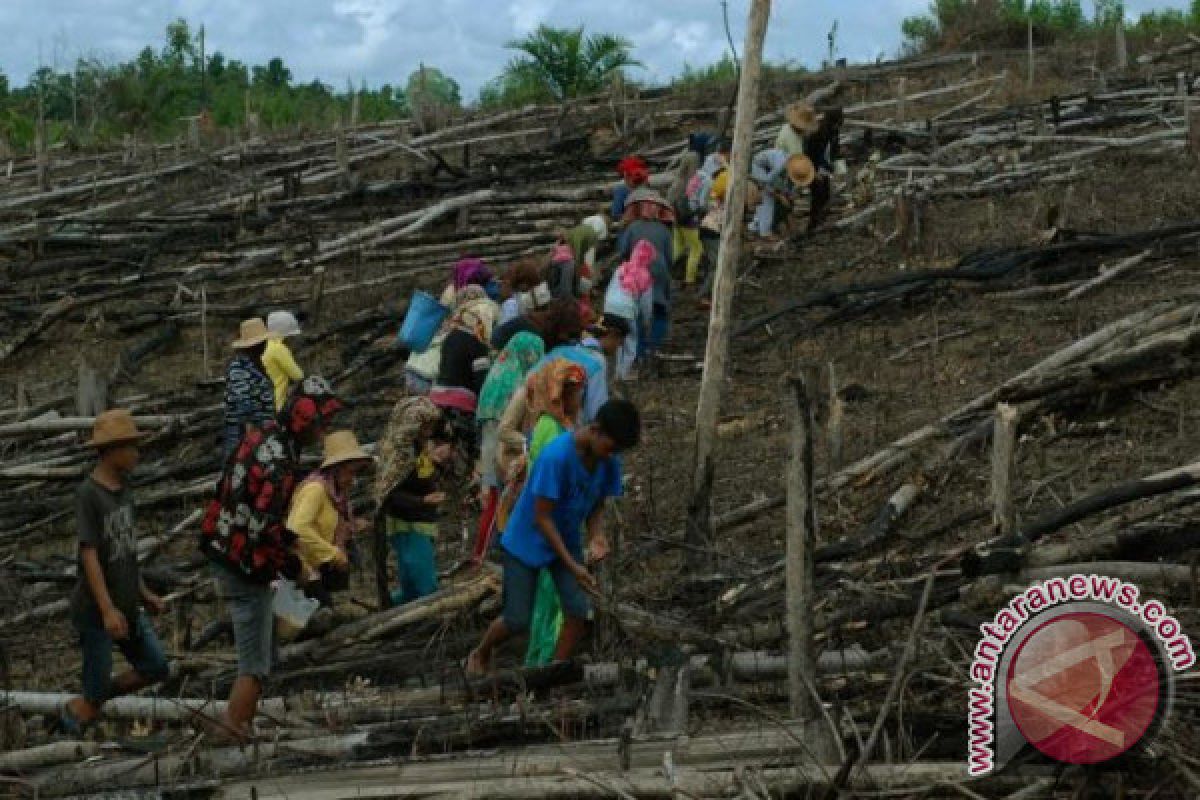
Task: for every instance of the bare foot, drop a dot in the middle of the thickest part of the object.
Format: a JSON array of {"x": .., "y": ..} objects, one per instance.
[{"x": 476, "y": 666}]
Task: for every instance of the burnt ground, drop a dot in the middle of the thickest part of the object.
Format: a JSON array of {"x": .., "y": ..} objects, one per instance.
[{"x": 900, "y": 365}]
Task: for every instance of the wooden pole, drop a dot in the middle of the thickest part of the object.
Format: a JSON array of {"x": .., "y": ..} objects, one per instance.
[
  {"x": 1031, "y": 60},
  {"x": 801, "y": 542},
  {"x": 1004, "y": 441},
  {"x": 1122, "y": 49},
  {"x": 901, "y": 100},
  {"x": 833, "y": 428},
  {"x": 318, "y": 292},
  {"x": 716, "y": 353}
]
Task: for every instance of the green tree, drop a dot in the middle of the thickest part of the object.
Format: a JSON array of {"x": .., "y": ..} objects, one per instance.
[
  {"x": 180, "y": 47},
  {"x": 274, "y": 75},
  {"x": 566, "y": 63},
  {"x": 1108, "y": 12},
  {"x": 429, "y": 85}
]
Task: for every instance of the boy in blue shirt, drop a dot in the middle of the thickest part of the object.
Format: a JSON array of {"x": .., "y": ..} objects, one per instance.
[{"x": 563, "y": 497}]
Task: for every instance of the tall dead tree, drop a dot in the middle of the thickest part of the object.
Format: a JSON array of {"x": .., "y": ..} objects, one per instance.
[
  {"x": 801, "y": 542},
  {"x": 716, "y": 354}
]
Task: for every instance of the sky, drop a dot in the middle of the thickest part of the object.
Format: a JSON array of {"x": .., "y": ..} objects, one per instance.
[{"x": 383, "y": 41}]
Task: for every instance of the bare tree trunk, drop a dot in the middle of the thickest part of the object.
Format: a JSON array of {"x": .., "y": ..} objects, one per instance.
[
  {"x": 1031, "y": 55},
  {"x": 1122, "y": 49},
  {"x": 1004, "y": 440},
  {"x": 699, "y": 527},
  {"x": 801, "y": 542}
]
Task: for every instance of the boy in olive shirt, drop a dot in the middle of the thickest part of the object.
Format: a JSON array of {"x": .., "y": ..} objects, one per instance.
[{"x": 105, "y": 604}]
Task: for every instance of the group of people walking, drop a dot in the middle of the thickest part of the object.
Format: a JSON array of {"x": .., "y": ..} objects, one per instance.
[{"x": 516, "y": 383}]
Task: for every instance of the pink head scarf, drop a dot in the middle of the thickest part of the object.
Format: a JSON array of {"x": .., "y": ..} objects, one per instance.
[{"x": 635, "y": 274}]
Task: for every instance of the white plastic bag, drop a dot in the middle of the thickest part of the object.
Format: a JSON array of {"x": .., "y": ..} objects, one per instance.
[{"x": 291, "y": 604}]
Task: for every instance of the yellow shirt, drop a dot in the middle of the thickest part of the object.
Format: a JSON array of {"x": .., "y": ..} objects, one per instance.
[
  {"x": 314, "y": 520},
  {"x": 281, "y": 368}
]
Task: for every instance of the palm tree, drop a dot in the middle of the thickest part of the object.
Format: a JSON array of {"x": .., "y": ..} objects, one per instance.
[{"x": 567, "y": 64}]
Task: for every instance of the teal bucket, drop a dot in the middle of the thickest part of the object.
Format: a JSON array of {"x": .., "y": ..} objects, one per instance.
[{"x": 425, "y": 315}]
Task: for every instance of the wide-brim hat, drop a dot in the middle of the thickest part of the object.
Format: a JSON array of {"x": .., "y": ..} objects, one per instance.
[
  {"x": 800, "y": 170},
  {"x": 251, "y": 332},
  {"x": 342, "y": 446},
  {"x": 801, "y": 116},
  {"x": 645, "y": 195},
  {"x": 114, "y": 427}
]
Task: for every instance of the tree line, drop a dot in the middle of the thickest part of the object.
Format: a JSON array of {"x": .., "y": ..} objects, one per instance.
[
  {"x": 950, "y": 24},
  {"x": 160, "y": 94}
]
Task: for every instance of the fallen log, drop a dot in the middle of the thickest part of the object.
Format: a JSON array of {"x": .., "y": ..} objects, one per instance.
[
  {"x": 897, "y": 451},
  {"x": 69, "y": 424},
  {"x": 451, "y": 599},
  {"x": 47, "y": 755},
  {"x": 133, "y": 707},
  {"x": 591, "y": 778},
  {"x": 1120, "y": 494},
  {"x": 60, "y": 309}
]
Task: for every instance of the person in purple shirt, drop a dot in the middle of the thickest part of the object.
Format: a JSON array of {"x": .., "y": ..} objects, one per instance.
[{"x": 563, "y": 497}]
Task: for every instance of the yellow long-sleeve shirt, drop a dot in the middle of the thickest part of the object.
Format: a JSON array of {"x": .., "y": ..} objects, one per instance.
[
  {"x": 281, "y": 368},
  {"x": 314, "y": 520}
]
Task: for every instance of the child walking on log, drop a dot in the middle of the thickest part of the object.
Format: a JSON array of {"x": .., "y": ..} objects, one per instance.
[
  {"x": 564, "y": 496},
  {"x": 105, "y": 606}
]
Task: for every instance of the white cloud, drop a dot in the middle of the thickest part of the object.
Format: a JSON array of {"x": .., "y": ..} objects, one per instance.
[
  {"x": 527, "y": 15},
  {"x": 382, "y": 41}
]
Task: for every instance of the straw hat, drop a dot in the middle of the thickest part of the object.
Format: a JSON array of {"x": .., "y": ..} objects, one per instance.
[
  {"x": 801, "y": 116},
  {"x": 340, "y": 447},
  {"x": 252, "y": 332},
  {"x": 644, "y": 195},
  {"x": 753, "y": 194},
  {"x": 800, "y": 170},
  {"x": 283, "y": 323},
  {"x": 114, "y": 427}
]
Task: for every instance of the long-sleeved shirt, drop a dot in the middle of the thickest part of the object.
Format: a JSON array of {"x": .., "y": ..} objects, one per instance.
[
  {"x": 281, "y": 368},
  {"x": 510, "y": 433},
  {"x": 769, "y": 169},
  {"x": 465, "y": 362},
  {"x": 823, "y": 147},
  {"x": 243, "y": 528},
  {"x": 789, "y": 140},
  {"x": 588, "y": 355},
  {"x": 314, "y": 519},
  {"x": 638, "y": 310},
  {"x": 249, "y": 397},
  {"x": 407, "y": 503},
  {"x": 659, "y": 235}
]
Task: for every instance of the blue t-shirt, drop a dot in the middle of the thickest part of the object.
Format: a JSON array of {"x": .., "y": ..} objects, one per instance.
[
  {"x": 559, "y": 475},
  {"x": 588, "y": 356}
]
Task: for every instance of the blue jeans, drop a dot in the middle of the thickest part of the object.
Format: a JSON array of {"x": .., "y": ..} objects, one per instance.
[
  {"x": 660, "y": 327},
  {"x": 764, "y": 215},
  {"x": 415, "y": 566},
  {"x": 520, "y": 590},
  {"x": 141, "y": 649}
]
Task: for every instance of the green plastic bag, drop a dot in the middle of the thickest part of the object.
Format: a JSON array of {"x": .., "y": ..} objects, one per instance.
[{"x": 546, "y": 623}]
